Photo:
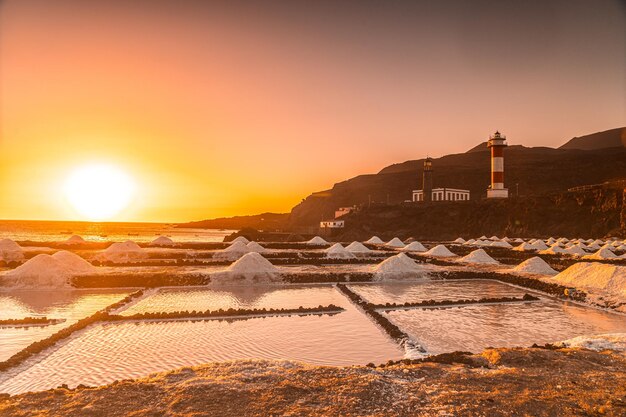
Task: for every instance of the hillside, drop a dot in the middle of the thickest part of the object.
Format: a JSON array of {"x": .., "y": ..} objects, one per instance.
[
  {"x": 264, "y": 221},
  {"x": 532, "y": 171},
  {"x": 613, "y": 138}
]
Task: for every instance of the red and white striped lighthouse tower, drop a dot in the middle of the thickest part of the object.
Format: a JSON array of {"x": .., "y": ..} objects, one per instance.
[{"x": 497, "y": 143}]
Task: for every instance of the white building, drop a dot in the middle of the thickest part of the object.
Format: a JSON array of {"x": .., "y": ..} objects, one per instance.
[
  {"x": 342, "y": 211},
  {"x": 443, "y": 194},
  {"x": 332, "y": 224}
]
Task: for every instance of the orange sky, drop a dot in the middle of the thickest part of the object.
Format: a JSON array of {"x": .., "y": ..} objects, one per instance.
[{"x": 238, "y": 108}]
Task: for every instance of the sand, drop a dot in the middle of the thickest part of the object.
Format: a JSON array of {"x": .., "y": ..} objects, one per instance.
[
  {"x": 439, "y": 251},
  {"x": 534, "y": 265},
  {"x": 479, "y": 256}
]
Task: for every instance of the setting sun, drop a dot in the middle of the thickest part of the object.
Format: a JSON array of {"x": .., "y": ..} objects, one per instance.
[{"x": 99, "y": 191}]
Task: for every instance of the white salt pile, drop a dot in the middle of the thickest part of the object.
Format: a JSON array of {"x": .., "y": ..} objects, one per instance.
[
  {"x": 252, "y": 268},
  {"x": 481, "y": 242},
  {"x": 459, "y": 240},
  {"x": 600, "y": 280},
  {"x": 395, "y": 243},
  {"x": 317, "y": 241},
  {"x": 483, "y": 237},
  {"x": 523, "y": 247},
  {"x": 374, "y": 240},
  {"x": 479, "y": 256},
  {"x": 73, "y": 263},
  {"x": 575, "y": 251},
  {"x": 535, "y": 265},
  {"x": 600, "y": 342},
  {"x": 501, "y": 244},
  {"x": 470, "y": 242},
  {"x": 439, "y": 251},
  {"x": 240, "y": 239},
  {"x": 47, "y": 271},
  {"x": 337, "y": 251},
  {"x": 494, "y": 237},
  {"x": 162, "y": 241},
  {"x": 255, "y": 247},
  {"x": 518, "y": 240},
  {"x": 414, "y": 247},
  {"x": 593, "y": 246},
  {"x": 539, "y": 245},
  {"x": 553, "y": 250},
  {"x": 74, "y": 240},
  {"x": 10, "y": 251},
  {"x": 603, "y": 253},
  {"x": 357, "y": 247},
  {"x": 235, "y": 251},
  {"x": 398, "y": 267},
  {"x": 550, "y": 241},
  {"x": 123, "y": 252}
]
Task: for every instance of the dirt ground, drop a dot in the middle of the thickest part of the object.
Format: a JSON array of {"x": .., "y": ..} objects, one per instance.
[{"x": 498, "y": 382}]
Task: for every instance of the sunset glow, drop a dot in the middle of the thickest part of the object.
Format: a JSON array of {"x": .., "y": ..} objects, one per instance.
[{"x": 99, "y": 191}]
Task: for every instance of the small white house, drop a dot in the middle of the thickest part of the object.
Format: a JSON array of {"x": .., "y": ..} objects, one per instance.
[
  {"x": 332, "y": 224},
  {"x": 342, "y": 211},
  {"x": 443, "y": 194}
]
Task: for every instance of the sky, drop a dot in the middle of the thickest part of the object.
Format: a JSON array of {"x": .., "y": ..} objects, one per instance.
[{"x": 234, "y": 107}]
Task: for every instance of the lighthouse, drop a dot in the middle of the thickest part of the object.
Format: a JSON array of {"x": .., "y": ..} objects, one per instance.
[
  {"x": 497, "y": 143},
  {"x": 427, "y": 180}
]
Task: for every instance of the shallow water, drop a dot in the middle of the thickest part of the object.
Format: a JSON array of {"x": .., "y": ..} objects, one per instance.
[
  {"x": 107, "y": 352},
  {"x": 54, "y": 304},
  {"x": 475, "y": 327},
  {"x": 401, "y": 292},
  {"x": 202, "y": 299}
]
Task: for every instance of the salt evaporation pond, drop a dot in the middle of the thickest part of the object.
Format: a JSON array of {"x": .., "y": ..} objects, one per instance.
[
  {"x": 402, "y": 292},
  {"x": 476, "y": 327},
  {"x": 257, "y": 297},
  {"x": 107, "y": 352},
  {"x": 58, "y": 304}
]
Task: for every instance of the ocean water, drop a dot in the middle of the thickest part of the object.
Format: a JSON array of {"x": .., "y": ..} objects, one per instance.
[{"x": 42, "y": 231}]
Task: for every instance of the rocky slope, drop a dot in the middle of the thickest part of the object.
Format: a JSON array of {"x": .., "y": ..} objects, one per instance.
[
  {"x": 613, "y": 138},
  {"x": 532, "y": 171},
  {"x": 498, "y": 382}
]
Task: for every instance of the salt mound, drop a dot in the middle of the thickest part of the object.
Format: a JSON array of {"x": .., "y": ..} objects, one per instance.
[
  {"x": 317, "y": 241},
  {"x": 414, "y": 247},
  {"x": 479, "y": 256},
  {"x": 251, "y": 268},
  {"x": 603, "y": 253},
  {"x": 553, "y": 250},
  {"x": 374, "y": 240},
  {"x": 535, "y": 265},
  {"x": 338, "y": 252},
  {"x": 595, "y": 277},
  {"x": 494, "y": 237},
  {"x": 539, "y": 245},
  {"x": 593, "y": 246},
  {"x": 483, "y": 237},
  {"x": 439, "y": 251},
  {"x": 459, "y": 240},
  {"x": 357, "y": 247},
  {"x": 481, "y": 242},
  {"x": 10, "y": 251},
  {"x": 397, "y": 267},
  {"x": 518, "y": 240},
  {"x": 123, "y": 252},
  {"x": 240, "y": 239},
  {"x": 611, "y": 341},
  {"x": 523, "y": 247},
  {"x": 235, "y": 251},
  {"x": 470, "y": 242},
  {"x": 162, "y": 241},
  {"x": 255, "y": 247},
  {"x": 501, "y": 244},
  {"x": 72, "y": 263},
  {"x": 42, "y": 271},
  {"x": 75, "y": 240},
  {"x": 575, "y": 251},
  {"x": 395, "y": 243}
]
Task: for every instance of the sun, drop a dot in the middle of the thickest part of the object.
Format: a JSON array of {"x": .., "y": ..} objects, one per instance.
[{"x": 99, "y": 191}]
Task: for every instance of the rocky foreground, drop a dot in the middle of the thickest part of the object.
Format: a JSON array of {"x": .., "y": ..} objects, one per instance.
[{"x": 498, "y": 382}]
